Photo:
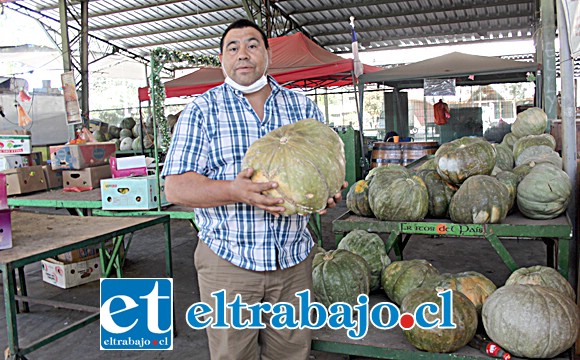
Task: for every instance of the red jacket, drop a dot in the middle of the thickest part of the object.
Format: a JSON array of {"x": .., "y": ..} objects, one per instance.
[{"x": 441, "y": 111}]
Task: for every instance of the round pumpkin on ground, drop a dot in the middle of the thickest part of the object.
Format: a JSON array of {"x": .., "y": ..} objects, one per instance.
[
  {"x": 475, "y": 286},
  {"x": 440, "y": 193},
  {"x": 357, "y": 199},
  {"x": 307, "y": 161},
  {"x": 482, "y": 199},
  {"x": 531, "y": 321},
  {"x": 371, "y": 248},
  {"x": 459, "y": 159},
  {"x": 398, "y": 196},
  {"x": 400, "y": 277},
  {"x": 339, "y": 276},
  {"x": 543, "y": 276},
  {"x": 532, "y": 121},
  {"x": 544, "y": 193},
  {"x": 436, "y": 339}
]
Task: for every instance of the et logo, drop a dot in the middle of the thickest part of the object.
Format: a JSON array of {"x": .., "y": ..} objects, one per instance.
[{"x": 136, "y": 314}]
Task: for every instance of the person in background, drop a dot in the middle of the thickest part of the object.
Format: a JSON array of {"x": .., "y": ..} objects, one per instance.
[
  {"x": 390, "y": 135},
  {"x": 245, "y": 246}
]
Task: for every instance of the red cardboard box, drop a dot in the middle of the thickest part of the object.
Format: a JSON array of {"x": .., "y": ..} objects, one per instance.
[
  {"x": 6, "y": 227},
  {"x": 118, "y": 172},
  {"x": 77, "y": 157}
]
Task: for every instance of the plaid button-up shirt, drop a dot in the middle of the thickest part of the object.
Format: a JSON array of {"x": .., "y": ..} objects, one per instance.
[{"x": 211, "y": 137}]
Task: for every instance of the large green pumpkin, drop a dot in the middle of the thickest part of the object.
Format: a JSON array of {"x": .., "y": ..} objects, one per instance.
[
  {"x": 533, "y": 140},
  {"x": 459, "y": 159},
  {"x": 440, "y": 193},
  {"x": 400, "y": 277},
  {"x": 398, "y": 196},
  {"x": 391, "y": 169},
  {"x": 539, "y": 154},
  {"x": 482, "y": 199},
  {"x": 544, "y": 193},
  {"x": 531, "y": 321},
  {"x": 504, "y": 158},
  {"x": 307, "y": 161},
  {"x": 371, "y": 248},
  {"x": 475, "y": 286},
  {"x": 441, "y": 340},
  {"x": 357, "y": 199},
  {"x": 532, "y": 121},
  {"x": 339, "y": 276},
  {"x": 543, "y": 276}
]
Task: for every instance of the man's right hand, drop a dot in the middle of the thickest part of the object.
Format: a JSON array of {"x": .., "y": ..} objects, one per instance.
[{"x": 252, "y": 193}]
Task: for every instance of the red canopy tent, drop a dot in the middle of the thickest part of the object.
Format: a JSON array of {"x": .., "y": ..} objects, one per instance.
[{"x": 296, "y": 62}]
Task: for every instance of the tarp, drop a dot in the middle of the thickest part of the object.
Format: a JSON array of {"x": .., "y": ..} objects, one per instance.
[
  {"x": 485, "y": 70},
  {"x": 296, "y": 62}
]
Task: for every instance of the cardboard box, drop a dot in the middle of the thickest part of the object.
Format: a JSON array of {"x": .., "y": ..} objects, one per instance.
[
  {"x": 35, "y": 158},
  {"x": 85, "y": 178},
  {"x": 77, "y": 157},
  {"x": 3, "y": 192},
  {"x": 53, "y": 177},
  {"x": 24, "y": 180},
  {"x": 69, "y": 275},
  {"x": 128, "y": 166},
  {"x": 14, "y": 161},
  {"x": 87, "y": 253},
  {"x": 5, "y": 229},
  {"x": 132, "y": 193},
  {"x": 15, "y": 144}
]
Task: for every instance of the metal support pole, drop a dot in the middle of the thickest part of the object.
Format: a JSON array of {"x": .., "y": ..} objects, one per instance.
[
  {"x": 85, "y": 60},
  {"x": 66, "y": 61},
  {"x": 548, "y": 59},
  {"x": 568, "y": 132}
]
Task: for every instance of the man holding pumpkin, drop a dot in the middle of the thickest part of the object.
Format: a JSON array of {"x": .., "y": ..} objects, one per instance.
[{"x": 246, "y": 247}]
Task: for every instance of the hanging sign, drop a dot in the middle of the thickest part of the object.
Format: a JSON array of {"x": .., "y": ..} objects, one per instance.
[
  {"x": 71, "y": 100},
  {"x": 572, "y": 13},
  {"x": 439, "y": 87}
]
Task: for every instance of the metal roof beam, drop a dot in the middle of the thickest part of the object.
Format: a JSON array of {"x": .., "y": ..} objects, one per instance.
[
  {"x": 173, "y": 41},
  {"x": 455, "y": 7},
  {"x": 165, "y": 31},
  {"x": 158, "y": 4},
  {"x": 149, "y": 20},
  {"x": 437, "y": 22}
]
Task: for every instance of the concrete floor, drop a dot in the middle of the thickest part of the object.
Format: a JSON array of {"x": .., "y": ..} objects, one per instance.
[{"x": 145, "y": 259}]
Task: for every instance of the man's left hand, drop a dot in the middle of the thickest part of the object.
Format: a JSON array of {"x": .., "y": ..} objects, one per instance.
[{"x": 334, "y": 200}]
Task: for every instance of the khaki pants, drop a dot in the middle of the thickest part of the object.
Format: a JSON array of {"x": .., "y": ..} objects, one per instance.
[{"x": 215, "y": 273}]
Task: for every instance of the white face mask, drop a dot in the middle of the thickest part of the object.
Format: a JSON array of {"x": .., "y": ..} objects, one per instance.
[
  {"x": 258, "y": 85},
  {"x": 249, "y": 89}
]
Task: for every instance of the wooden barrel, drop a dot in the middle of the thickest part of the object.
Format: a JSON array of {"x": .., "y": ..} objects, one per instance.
[
  {"x": 412, "y": 151},
  {"x": 386, "y": 153}
]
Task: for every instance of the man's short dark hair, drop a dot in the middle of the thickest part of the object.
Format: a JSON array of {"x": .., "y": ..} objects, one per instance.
[{"x": 242, "y": 23}]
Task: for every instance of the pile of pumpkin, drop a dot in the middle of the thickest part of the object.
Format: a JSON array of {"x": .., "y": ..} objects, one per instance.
[
  {"x": 473, "y": 181},
  {"x": 533, "y": 315},
  {"x": 127, "y": 136}
]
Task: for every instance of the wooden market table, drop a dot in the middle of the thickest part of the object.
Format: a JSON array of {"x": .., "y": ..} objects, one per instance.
[
  {"x": 40, "y": 236},
  {"x": 391, "y": 344}
]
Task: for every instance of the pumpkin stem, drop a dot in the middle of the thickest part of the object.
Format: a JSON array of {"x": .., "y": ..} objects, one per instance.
[
  {"x": 284, "y": 140},
  {"x": 328, "y": 256}
]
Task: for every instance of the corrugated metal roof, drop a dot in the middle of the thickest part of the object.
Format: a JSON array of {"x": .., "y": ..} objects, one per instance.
[{"x": 196, "y": 26}]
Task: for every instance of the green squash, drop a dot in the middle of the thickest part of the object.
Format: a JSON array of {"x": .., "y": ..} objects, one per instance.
[
  {"x": 533, "y": 140},
  {"x": 543, "y": 276},
  {"x": 509, "y": 140},
  {"x": 391, "y": 169},
  {"x": 428, "y": 165},
  {"x": 396, "y": 196},
  {"x": 504, "y": 158},
  {"x": 339, "y": 276},
  {"x": 400, "y": 277},
  {"x": 532, "y": 121},
  {"x": 475, "y": 286},
  {"x": 357, "y": 199},
  {"x": 544, "y": 193},
  {"x": 459, "y": 159},
  {"x": 511, "y": 181},
  {"x": 531, "y": 321},
  {"x": 371, "y": 248},
  {"x": 291, "y": 156},
  {"x": 441, "y": 340},
  {"x": 128, "y": 123},
  {"x": 115, "y": 131},
  {"x": 440, "y": 193},
  {"x": 482, "y": 199},
  {"x": 539, "y": 154}
]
